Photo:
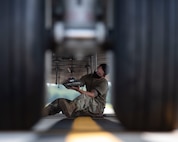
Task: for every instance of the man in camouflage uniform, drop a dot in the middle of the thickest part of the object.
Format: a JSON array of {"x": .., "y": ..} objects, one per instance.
[{"x": 91, "y": 102}]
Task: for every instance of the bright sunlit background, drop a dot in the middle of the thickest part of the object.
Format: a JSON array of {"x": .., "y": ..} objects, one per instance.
[{"x": 55, "y": 91}]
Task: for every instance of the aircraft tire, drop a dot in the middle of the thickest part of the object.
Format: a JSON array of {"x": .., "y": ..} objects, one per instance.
[
  {"x": 145, "y": 84},
  {"x": 22, "y": 63}
]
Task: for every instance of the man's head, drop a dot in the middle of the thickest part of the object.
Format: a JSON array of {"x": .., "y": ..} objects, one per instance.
[{"x": 102, "y": 70}]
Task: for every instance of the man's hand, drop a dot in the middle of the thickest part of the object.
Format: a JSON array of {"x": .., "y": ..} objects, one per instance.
[{"x": 91, "y": 94}]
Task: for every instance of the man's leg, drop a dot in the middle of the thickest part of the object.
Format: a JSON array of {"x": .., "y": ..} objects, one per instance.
[
  {"x": 52, "y": 108},
  {"x": 67, "y": 107}
]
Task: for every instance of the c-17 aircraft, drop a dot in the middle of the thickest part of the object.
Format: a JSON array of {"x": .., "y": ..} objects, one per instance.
[{"x": 46, "y": 42}]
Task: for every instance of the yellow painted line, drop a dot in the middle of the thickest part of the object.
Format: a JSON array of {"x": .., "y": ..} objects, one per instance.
[
  {"x": 84, "y": 129},
  {"x": 85, "y": 124}
]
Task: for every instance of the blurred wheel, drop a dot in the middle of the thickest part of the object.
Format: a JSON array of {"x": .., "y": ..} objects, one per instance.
[
  {"x": 146, "y": 64},
  {"x": 22, "y": 63}
]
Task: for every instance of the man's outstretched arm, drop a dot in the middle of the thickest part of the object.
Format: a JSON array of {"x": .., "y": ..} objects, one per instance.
[{"x": 93, "y": 93}]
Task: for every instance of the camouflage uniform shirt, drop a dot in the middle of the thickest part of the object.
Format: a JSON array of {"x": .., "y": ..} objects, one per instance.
[{"x": 94, "y": 105}]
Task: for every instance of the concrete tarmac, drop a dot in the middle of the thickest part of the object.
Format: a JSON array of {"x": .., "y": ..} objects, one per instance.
[{"x": 58, "y": 128}]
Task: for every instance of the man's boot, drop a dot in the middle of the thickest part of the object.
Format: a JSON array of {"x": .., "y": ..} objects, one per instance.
[
  {"x": 52, "y": 108},
  {"x": 67, "y": 107}
]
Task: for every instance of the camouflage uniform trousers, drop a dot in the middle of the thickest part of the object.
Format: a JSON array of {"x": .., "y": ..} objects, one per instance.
[{"x": 87, "y": 105}]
